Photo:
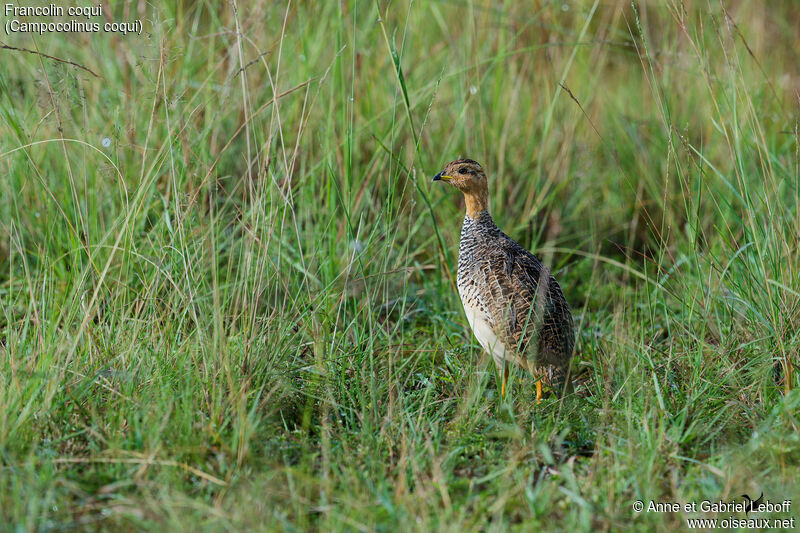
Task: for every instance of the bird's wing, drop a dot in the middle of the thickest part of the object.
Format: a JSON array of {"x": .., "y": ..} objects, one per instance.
[{"x": 527, "y": 303}]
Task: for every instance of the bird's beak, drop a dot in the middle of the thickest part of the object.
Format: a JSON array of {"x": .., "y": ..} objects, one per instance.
[{"x": 441, "y": 176}]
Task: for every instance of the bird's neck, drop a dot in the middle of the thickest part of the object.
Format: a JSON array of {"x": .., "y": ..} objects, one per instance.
[{"x": 477, "y": 202}]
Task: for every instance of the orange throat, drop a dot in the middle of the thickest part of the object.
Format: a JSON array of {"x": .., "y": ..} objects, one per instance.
[{"x": 477, "y": 201}]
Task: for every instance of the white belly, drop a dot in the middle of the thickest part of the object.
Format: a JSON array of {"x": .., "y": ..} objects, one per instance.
[{"x": 485, "y": 335}]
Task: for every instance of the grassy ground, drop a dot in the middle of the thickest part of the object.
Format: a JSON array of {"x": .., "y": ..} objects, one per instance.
[{"x": 227, "y": 292}]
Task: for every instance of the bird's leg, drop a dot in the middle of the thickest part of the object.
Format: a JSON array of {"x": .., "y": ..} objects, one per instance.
[
  {"x": 505, "y": 379},
  {"x": 538, "y": 392}
]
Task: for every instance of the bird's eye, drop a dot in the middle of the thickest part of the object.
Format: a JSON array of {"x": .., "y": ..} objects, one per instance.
[{"x": 467, "y": 170}]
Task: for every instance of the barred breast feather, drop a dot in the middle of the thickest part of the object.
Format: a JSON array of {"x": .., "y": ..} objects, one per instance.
[{"x": 515, "y": 307}]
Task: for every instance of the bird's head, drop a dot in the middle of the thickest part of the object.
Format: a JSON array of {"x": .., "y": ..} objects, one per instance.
[
  {"x": 463, "y": 174},
  {"x": 468, "y": 177}
]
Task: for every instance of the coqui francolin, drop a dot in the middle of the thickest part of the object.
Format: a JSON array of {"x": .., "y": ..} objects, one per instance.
[{"x": 514, "y": 305}]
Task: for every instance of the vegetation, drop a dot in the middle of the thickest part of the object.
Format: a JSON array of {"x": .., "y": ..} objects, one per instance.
[{"x": 227, "y": 294}]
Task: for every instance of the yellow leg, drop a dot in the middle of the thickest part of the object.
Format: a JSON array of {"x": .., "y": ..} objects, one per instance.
[
  {"x": 538, "y": 391},
  {"x": 505, "y": 379}
]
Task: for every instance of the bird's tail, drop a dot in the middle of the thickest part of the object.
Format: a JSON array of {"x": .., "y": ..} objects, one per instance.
[{"x": 559, "y": 379}]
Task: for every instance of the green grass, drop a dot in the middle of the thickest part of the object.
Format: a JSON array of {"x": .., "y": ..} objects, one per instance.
[{"x": 241, "y": 313}]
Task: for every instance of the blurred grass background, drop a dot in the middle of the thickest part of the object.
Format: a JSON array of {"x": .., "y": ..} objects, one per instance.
[{"x": 227, "y": 293}]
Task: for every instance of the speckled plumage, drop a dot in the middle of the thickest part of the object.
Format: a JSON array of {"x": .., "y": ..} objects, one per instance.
[
  {"x": 506, "y": 286},
  {"x": 515, "y": 307}
]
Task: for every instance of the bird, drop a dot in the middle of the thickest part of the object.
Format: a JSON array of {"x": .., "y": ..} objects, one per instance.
[{"x": 515, "y": 307}]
